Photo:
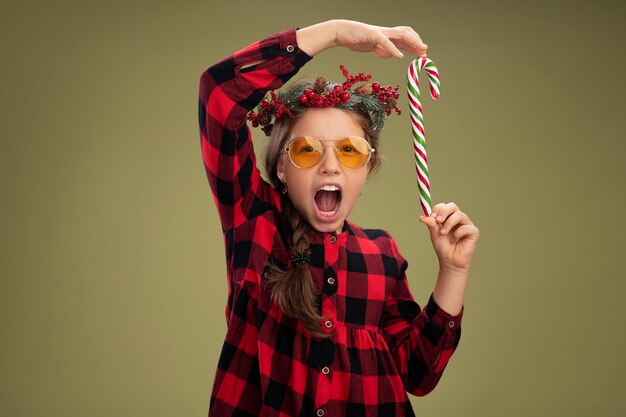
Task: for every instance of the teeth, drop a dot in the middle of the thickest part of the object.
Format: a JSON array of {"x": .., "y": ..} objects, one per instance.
[
  {"x": 328, "y": 188},
  {"x": 328, "y": 213}
]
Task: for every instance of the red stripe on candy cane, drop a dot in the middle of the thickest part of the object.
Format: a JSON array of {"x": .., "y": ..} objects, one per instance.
[{"x": 417, "y": 126}]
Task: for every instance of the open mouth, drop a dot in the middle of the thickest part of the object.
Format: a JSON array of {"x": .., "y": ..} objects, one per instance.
[{"x": 327, "y": 199}]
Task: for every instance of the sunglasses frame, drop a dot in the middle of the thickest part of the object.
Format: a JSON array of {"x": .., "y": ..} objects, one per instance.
[{"x": 369, "y": 154}]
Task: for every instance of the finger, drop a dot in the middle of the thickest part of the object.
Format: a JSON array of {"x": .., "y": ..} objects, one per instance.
[
  {"x": 412, "y": 45},
  {"x": 389, "y": 47},
  {"x": 468, "y": 231},
  {"x": 409, "y": 28},
  {"x": 407, "y": 39},
  {"x": 435, "y": 209},
  {"x": 433, "y": 227},
  {"x": 445, "y": 211},
  {"x": 458, "y": 217},
  {"x": 381, "y": 52}
]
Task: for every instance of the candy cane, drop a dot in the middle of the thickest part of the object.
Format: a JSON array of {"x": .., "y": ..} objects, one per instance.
[{"x": 417, "y": 124}]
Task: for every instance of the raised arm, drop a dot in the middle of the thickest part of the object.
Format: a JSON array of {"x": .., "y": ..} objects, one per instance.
[{"x": 228, "y": 91}]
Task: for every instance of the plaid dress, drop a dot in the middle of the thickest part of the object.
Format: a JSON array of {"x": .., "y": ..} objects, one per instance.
[{"x": 381, "y": 345}]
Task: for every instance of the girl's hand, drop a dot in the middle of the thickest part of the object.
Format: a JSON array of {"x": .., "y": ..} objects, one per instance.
[
  {"x": 453, "y": 235},
  {"x": 384, "y": 42}
]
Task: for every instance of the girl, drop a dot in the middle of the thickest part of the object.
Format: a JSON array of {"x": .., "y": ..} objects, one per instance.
[{"x": 321, "y": 321}]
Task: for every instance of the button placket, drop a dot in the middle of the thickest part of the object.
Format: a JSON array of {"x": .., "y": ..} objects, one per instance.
[{"x": 332, "y": 248}]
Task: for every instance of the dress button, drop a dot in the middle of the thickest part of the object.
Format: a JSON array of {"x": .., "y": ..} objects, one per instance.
[
  {"x": 451, "y": 324},
  {"x": 320, "y": 412},
  {"x": 326, "y": 370},
  {"x": 328, "y": 324},
  {"x": 331, "y": 281},
  {"x": 290, "y": 48},
  {"x": 333, "y": 239}
]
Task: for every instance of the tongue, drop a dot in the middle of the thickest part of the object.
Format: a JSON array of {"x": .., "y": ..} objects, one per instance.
[{"x": 326, "y": 200}]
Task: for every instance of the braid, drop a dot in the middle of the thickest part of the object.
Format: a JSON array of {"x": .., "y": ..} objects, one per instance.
[{"x": 293, "y": 290}]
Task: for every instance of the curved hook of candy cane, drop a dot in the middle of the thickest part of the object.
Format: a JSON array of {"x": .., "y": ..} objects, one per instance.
[{"x": 417, "y": 124}]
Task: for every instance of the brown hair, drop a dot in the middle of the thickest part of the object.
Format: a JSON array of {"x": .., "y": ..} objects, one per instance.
[{"x": 293, "y": 290}]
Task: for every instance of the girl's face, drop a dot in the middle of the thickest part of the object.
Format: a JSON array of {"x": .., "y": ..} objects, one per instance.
[{"x": 325, "y": 210}]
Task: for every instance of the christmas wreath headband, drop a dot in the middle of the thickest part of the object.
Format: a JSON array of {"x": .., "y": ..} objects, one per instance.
[{"x": 376, "y": 100}]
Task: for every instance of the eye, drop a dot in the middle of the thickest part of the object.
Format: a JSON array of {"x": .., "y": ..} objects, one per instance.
[
  {"x": 347, "y": 149},
  {"x": 307, "y": 149}
]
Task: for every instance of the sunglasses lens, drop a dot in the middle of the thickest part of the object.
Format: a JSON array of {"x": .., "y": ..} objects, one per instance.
[
  {"x": 353, "y": 152},
  {"x": 305, "y": 152}
]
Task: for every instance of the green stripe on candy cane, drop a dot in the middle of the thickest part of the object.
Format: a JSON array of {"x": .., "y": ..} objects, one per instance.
[{"x": 417, "y": 124}]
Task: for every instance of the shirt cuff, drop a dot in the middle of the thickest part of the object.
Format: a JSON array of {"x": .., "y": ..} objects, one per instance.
[
  {"x": 288, "y": 41},
  {"x": 441, "y": 318}
]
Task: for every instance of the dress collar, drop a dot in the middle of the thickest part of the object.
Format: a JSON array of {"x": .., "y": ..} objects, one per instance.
[{"x": 317, "y": 237}]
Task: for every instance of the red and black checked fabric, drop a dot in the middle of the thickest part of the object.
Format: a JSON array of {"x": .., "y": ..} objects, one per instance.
[{"x": 381, "y": 345}]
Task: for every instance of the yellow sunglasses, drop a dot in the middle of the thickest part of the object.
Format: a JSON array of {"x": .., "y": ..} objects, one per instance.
[{"x": 307, "y": 151}]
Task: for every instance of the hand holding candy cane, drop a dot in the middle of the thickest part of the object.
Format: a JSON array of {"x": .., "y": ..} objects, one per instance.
[{"x": 453, "y": 234}]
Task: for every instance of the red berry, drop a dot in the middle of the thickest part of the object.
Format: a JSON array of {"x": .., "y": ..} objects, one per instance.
[
  {"x": 303, "y": 99},
  {"x": 345, "y": 96},
  {"x": 376, "y": 86}
]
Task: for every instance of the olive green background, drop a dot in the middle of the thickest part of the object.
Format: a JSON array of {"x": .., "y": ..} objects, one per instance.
[{"x": 113, "y": 283}]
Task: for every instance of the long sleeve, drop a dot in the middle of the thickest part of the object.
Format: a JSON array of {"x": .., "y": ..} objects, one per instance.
[
  {"x": 421, "y": 341},
  {"x": 228, "y": 91}
]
